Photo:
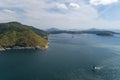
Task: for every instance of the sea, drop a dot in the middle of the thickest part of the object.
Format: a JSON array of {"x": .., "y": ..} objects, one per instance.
[{"x": 69, "y": 57}]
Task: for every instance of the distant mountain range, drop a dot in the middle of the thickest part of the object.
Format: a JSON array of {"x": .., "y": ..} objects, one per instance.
[
  {"x": 17, "y": 35},
  {"x": 52, "y": 30},
  {"x": 99, "y": 32}
]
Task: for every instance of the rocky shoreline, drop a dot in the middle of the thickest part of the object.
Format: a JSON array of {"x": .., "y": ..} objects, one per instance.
[{"x": 18, "y": 47}]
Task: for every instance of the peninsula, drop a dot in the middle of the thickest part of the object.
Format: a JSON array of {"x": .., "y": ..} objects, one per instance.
[{"x": 14, "y": 35}]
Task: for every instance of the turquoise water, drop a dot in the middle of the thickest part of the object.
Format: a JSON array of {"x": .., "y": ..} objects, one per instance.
[{"x": 69, "y": 57}]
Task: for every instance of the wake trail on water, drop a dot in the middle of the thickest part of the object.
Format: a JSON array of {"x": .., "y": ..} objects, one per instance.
[{"x": 98, "y": 67}]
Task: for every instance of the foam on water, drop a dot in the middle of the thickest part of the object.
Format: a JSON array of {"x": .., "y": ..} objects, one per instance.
[{"x": 98, "y": 67}]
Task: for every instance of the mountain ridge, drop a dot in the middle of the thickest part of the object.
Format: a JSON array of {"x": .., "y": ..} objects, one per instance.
[{"x": 98, "y": 32}]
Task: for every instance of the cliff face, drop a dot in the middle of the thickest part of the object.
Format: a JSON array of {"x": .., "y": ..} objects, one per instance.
[{"x": 14, "y": 34}]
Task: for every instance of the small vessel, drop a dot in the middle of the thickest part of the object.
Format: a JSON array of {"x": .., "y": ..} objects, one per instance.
[{"x": 94, "y": 68}]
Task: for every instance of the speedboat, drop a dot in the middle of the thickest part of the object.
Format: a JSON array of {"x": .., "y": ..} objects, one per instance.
[{"x": 94, "y": 68}]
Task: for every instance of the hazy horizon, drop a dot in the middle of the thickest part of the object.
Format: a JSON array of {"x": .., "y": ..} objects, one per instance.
[{"x": 63, "y": 14}]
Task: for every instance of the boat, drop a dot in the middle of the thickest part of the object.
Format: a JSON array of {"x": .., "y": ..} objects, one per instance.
[{"x": 94, "y": 68}]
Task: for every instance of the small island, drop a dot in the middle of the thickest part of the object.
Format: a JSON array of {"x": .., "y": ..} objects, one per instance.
[{"x": 14, "y": 35}]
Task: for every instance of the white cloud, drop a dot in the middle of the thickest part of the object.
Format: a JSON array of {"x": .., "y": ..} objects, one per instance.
[
  {"x": 78, "y": 14},
  {"x": 102, "y": 2},
  {"x": 8, "y": 15},
  {"x": 61, "y": 6},
  {"x": 74, "y": 5},
  {"x": 8, "y": 11}
]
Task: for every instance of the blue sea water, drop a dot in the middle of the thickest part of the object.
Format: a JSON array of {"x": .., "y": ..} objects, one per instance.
[{"x": 69, "y": 57}]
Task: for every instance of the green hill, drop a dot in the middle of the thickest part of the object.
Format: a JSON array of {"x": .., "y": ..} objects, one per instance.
[{"x": 14, "y": 34}]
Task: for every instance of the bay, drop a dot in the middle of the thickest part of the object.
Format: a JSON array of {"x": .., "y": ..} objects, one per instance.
[{"x": 69, "y": 57}]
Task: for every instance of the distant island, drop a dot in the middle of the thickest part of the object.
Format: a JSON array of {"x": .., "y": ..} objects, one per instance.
[
  {"x": 90, "y": 31},
  {"x": 14, "y": 35}
]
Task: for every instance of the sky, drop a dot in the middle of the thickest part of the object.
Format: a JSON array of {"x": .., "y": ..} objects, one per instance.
[{"x": 62, "y": 14}]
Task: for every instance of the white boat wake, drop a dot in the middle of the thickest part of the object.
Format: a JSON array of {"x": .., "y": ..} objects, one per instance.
[{"x": 98, "y": 68}]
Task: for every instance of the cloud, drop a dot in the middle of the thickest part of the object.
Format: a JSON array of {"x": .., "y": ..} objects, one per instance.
[
  {"x": 58, "y": 13},
  {"x": 8, "y": 11},
  {"x": 8, "y": 15},
  {"x": 74, "y": 5},
  {"x": 61, "y": 6},
  {"x": 102, "y": 2}
]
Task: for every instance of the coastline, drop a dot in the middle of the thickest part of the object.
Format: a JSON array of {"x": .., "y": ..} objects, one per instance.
[{"x": 18, "y": 47}]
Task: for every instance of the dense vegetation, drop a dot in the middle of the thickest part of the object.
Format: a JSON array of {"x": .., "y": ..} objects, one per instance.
[{"x": 16, "y": 34}]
